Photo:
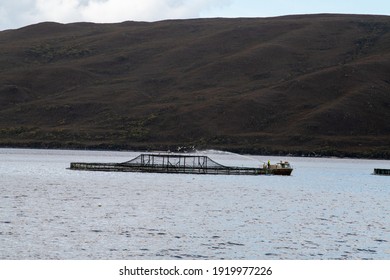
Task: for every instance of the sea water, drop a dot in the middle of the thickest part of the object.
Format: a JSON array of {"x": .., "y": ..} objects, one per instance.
[{"x": 327, "y": 209}]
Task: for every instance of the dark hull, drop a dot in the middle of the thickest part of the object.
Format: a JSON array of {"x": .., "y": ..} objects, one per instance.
[{"x": 282, "y": 171}]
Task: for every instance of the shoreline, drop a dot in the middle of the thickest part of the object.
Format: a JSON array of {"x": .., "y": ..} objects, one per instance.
[{"x": 174, "y": 149}]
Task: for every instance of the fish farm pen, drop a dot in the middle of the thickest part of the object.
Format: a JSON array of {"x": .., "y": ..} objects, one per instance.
[
  {"x": 379, "y": 171},
  {"x": 170, "y": 163}
]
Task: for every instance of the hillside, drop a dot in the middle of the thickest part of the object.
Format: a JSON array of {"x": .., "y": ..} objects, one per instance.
[{"x": 310, "y": 84}]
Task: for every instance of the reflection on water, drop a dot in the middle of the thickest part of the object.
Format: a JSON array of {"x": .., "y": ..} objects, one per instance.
[{"x": 328, "y": 209}]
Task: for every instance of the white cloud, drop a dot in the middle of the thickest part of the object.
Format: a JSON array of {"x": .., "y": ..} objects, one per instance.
[
  {"x": 14, "y": 14},
  {"x": 146, "y": 10},
  {"x": 58, "y": 10}
]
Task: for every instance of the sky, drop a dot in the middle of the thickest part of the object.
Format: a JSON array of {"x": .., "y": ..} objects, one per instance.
[{"x": 18, "y": 13}]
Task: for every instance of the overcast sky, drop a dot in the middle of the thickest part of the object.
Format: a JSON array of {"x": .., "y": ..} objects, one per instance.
[{"x": 18, "y": 13}]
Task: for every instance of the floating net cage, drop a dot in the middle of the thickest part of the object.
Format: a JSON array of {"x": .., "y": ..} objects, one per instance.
[{"x": 169, "y": 163}]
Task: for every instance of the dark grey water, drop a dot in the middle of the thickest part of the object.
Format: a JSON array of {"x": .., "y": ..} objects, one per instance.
[{"x": 328, "y": 209}]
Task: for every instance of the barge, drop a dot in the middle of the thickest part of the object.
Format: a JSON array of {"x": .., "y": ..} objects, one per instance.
[{"x": 178, "y": 163}]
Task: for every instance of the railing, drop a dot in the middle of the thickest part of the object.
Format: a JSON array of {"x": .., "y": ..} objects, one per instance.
[{"x": 166, "y": 169}]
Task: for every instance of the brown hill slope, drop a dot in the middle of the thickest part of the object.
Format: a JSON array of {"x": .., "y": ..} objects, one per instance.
[{"x": 297, "y": 84}]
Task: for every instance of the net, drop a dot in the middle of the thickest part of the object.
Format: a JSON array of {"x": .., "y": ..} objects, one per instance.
[{"x": 173, "y": 160}]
